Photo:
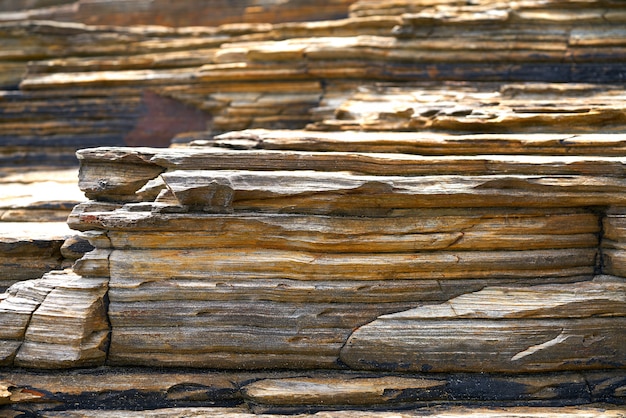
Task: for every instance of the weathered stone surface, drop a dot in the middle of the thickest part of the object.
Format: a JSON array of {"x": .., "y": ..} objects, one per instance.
[
  {"x": 531, "y": 107},
  {"x": 567, "y": 412},
  {"x": 419, "y": 143},
  {"x": 437, "y": 229},
  {"x": 116, "y": 84},
  {"x": 75, "y": 247},
  {"x": 56, "y": 322},
  {"x": 37, "y": 194},
  {"x": 34, "y": 206},
  {"x": 290, "y": 392},
  {"x": 614, "y": 241},
  {"x": 539, "y": 328},
  {"x": 469, "y": 263},
  {"x": 17, "y": 305},
  {"x": 30, "y": 249},
  {"x": 351, "y": 391}
]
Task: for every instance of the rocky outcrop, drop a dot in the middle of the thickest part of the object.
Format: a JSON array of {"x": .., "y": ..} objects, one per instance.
[
  {"x": 296, "y": 259},
  {"x": 439, "y": 219},
  {"x": 366, "y": 253},
  {"x": 55, "y": 322},
  {"x": 143, "y": 85}
]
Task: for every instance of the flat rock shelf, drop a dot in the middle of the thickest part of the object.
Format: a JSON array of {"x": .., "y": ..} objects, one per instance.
[
  {"x": 393, "y": 277},
  {"x": 418, "y": 209}
]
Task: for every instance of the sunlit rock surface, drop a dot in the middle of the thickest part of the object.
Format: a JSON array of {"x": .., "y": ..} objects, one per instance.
[{"x": 418, "y": 204}]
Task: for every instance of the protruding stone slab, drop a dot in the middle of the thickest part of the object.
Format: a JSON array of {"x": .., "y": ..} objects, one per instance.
[
  {"x": 30, "y": 249},
  {"x": 70, "y": 328},
  {"x": 543, "y": 328},
  {"x": 55, "y": 322},
  {"x": 313, "y": 393}
]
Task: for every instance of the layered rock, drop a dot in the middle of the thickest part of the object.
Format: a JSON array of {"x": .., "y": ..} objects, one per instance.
[
  {"x": 474, "y": 256},
  {"x": 55, "y": 322},
  {"x": 542, "y": 328},
  {"x": 390, "y": 262},
  {"x": 181, "y": 13},
  {"x": 284, "y": 257},
  {"x": 34, "y": 236},
  {"x": 141, "y": 86}
]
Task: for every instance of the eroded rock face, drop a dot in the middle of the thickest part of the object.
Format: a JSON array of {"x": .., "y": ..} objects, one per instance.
[
  {"x": 55, "y": 322},
  {"x": 283, "y": 258},
  {"x": 518, "y": 335},
  {"x": 428, "y": 226}
]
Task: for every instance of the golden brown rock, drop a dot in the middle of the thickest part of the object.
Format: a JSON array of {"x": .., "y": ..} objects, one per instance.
[
  {"x": 553, "y": 333},
  {"x": 55, "y": 322},
  {"x": 479, "y": 250}
]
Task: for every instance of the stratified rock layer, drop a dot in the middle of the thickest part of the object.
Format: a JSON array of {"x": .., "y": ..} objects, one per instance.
[
  {"x": 142, "y": 85},
  {"x": 180, "y": 13},
  {"x": 448, "y": 227},
  {"x": 276, "y": 266}
]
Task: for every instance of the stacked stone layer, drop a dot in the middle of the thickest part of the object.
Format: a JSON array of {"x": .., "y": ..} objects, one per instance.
[
  {"x": 295, "y": 259},
  {"x": 440, "y": 231},
  {"x": 143, "y": 85},
  {"x": 180, "y": 13}
]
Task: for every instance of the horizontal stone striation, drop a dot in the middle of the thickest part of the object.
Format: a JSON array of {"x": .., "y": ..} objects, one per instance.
[
  {"x": 142, "y": 85},
  {"x": 278, "y": 266},
  {"x": 442, "y": 231},
  {"x": 542, "y": 328},
  {"x": 58, "y": 321},
  {"x": 146, "y": 390}
]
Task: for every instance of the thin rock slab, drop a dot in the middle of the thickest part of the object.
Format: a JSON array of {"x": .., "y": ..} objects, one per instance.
[
  {"x": 421, "y": 143},
  {"x": 419, "y": 230},
  {"x": 552, "y": 331},
  {"x": 438, "y": 412},
  {"x": 127, "y": 164},
  {"x": 240, "y": 264},
  {"x": 347, "y": 194},
  {"x": 313, "y": 393}
]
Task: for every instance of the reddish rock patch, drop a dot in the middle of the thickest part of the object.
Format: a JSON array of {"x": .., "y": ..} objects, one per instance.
[{"x": 162, "y": 118}]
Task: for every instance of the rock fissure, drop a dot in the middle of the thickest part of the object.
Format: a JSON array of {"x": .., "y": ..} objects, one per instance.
[{"x": 537, "y": 348}]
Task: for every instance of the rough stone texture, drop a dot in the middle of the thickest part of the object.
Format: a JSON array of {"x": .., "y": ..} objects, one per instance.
[
  {"x": 474, "y": 257},
  {"x": 117, "y": 80},
  {"x": 290, "y": 392},
  {"x": 235, "y": 251},
  {"x": 541, "y": 328},
  {"x": 55, "y": 322},
  {"x": 34, "y": 206},
  {"x": 180, "y": 13}
]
